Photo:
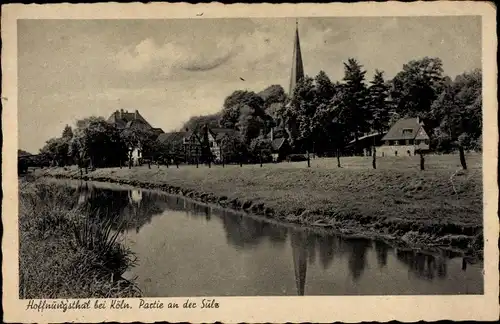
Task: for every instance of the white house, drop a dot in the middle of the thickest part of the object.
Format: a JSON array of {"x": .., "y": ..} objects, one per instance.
[{"x": 406, "y": 137}]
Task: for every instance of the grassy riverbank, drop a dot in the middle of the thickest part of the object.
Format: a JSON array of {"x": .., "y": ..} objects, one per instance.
[
  {"x": 64, "y": 253},
  {"x": 438, "y": 207}
]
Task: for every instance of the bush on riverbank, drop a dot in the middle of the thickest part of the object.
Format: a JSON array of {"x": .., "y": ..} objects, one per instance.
[{"x": 64, "y": 253}]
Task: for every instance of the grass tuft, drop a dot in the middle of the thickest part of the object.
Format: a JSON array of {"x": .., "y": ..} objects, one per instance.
[{"x": 65, "y": 254}]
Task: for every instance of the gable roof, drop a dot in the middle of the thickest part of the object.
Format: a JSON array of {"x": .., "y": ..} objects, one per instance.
[
  {"x": 124, "y": 119},
  {"x": 411, "y": 124},
  {"x": 277, "y": 143},
  {"x": 219, "y": 133},
  {"x": 171, "y": 137},
  {"x": 158, "y": 130}
]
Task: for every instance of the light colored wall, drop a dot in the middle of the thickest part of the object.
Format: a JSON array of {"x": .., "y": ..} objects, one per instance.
[
  {"x": 136, "y": 155},
  {"x": 214, "y": 147},
  {"x": 390, "y": 150}
]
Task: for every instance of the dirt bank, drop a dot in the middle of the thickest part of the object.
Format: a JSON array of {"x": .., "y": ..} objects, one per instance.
[{"x": 439, "y": 208}]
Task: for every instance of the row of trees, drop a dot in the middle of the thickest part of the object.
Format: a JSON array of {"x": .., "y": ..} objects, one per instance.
[
  {"x": 323, "y": 116},
  {"x": 96, "y": 143}
]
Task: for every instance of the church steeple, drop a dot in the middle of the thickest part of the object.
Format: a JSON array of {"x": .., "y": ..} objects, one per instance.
[{"x": 297, "y": 66}]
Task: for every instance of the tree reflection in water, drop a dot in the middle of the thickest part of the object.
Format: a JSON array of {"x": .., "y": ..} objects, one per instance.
[
  {"x": 382, "y": 250},
  {"x": 426, "y": 266},
  {"x": 135, "y": 208},
  {"x": 128, "y": 208},
  {"x": 357, "y": 257},
  {"x": 327, "y": 245},
  {"x": 246, "y": 232}
]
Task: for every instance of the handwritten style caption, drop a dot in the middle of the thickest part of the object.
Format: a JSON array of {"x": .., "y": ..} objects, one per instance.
[{"x": 102, "y": 304}]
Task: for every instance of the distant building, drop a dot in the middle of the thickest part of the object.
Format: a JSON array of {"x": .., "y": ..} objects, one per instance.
[
  {"x": 406, "y": 137},
  {"x": 297, "y": 72},
  {"x": 364, "y": 145},
  {"x": 124, "y": 119},
  {"x": 280, "y": 147},
  {"x": 204, "y": 144}
]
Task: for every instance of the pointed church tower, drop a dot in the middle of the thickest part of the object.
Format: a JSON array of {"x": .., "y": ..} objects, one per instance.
[{"x": 297, "y": 66}]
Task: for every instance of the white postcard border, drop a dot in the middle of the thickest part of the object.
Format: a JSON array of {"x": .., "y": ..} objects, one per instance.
[{"x": 258, "y": 309}]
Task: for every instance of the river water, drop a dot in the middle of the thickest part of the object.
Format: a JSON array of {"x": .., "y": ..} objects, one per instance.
[{"x": 189, "y": 249}]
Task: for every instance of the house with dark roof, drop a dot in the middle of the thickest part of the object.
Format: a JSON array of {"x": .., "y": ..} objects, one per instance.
[
  {"x": 124, "y": 119},
  {"x": 280, "y": 147},
  {"x": 204, "y": 143},
  {"x": 406, "y": 137}
]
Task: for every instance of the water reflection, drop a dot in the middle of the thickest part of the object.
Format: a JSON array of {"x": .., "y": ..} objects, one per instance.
[
  {"x": 382, "y": 250},
  {"x": 424, "y": 265},
  {"x": 325, "y": 255}
]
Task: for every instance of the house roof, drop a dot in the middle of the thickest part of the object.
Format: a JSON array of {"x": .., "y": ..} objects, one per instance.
[
  {"x": 277, "y": 143},
  {"x": 171, "y": 137},
  {"x": 123, "y": 119},
  {"x": 219, "y": 133},
  {"x": 405, "y": 129},
  {"x": 22, "y": 153},
  {"x": 365, "y": 137},
  {"x": 158, "y": 130}
]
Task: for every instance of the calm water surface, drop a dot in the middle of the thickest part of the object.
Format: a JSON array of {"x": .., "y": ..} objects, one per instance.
[{"x": 188, "y": 249}]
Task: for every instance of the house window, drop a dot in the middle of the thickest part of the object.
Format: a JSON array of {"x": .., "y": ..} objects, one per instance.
[
  {"x": 410, "y": 142},
  {"x": 387, "y": 142},
  {"x": 426, "y": 142},
  {"x": 211, "y": 144},
  {"x": 407, "y": 131},
  {"x": 407, "y": 142}
]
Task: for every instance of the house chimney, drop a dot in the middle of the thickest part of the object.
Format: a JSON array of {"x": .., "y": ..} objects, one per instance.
[
  {"x": 418, "y": 120},
  {"x": 135, "y": 114},
  {"x": 121, "y": 113}
]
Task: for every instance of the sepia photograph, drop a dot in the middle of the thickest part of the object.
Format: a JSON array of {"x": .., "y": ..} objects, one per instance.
[{"x": 215, "y": 156}]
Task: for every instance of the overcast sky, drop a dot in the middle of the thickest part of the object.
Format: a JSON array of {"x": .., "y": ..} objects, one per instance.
[{"x": 173, "y": 69}]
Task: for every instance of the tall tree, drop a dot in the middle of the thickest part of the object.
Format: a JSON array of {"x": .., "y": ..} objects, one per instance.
[
  {"x": 235, "y": 102},
  {"x": 378, "y": 102},
  {"x": 98, "y": 141},
  {"x": 414, "y": 89},
  {"x": 459, "y": 110},
  {"x": 273, "y": 94},
  {"x": 56, "y": 150},
  {"x": 355, "y": 99},
  {"x": 298, "y": 115},
  {"x": 321, "y": 123},
  {"x": 197, "y": 122},
  {"x": 325, "y": 89},
  {"x": 250, "y": 124},
  {"x": 67, "y": 132}
]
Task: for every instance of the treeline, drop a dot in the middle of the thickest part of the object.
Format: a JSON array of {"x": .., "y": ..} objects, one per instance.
[
  {"x": 322, "y": 116},
  {"x": 96, "y": 143}
]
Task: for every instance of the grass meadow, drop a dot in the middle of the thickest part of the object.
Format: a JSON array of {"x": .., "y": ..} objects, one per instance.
[{"x": 441, "y": 205}]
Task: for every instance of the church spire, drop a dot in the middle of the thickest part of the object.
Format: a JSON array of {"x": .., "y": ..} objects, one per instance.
[{"x": 297, "y": 66}]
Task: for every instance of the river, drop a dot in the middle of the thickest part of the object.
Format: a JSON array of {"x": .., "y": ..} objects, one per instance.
[{"x": 189, "y": 249}]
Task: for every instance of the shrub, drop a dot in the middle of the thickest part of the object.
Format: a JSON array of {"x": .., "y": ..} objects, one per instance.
[{"x": 296, "y": 158}]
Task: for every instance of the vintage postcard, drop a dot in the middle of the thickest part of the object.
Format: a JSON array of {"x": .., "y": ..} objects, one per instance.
[{"x": 249, "y": 163}]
